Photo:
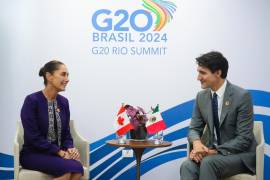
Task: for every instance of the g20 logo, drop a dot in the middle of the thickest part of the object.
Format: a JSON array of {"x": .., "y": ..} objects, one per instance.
[
  {"x": 163, "y": 11},
  {"x": 108, "y": 23}
]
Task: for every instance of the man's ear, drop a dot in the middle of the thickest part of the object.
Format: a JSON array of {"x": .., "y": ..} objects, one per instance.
[{"x": 218, "y": 73}]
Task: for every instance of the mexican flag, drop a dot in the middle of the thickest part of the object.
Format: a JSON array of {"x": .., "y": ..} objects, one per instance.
[
  {"x": 122, "y": 124},
  {"x": 155, "y": 122}
]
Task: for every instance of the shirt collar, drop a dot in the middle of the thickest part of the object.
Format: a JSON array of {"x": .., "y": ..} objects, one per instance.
[{"x": 220, "y": 92}]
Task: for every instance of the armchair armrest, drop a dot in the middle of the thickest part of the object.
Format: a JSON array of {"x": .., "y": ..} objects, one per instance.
[
  {"x": 16, "y": 151},
  {"x": 81, "y": 144},
  {"x": 260, "y": 154}
]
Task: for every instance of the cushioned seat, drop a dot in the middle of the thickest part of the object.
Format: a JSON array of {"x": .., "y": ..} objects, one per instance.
[
  {"x": 24, "y": 174},
  {"x": 259, "y": 136}
]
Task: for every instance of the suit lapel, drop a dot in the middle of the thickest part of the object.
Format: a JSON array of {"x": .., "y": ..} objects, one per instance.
[{"x": 227, "y": 101}]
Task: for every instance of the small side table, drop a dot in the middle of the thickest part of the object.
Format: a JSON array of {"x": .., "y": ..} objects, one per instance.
[{"x": 138, "y": 148}]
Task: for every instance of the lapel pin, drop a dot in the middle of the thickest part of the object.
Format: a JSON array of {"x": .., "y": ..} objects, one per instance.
[
  {"x": 58, "y": 110},
  {"x": 227, "y": 103}
]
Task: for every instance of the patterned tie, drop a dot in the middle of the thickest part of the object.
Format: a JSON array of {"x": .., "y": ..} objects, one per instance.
[{"x": 215, "y": 116}]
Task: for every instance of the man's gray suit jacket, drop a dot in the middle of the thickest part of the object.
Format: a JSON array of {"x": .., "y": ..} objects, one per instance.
[{"x": 236, "y": 124}]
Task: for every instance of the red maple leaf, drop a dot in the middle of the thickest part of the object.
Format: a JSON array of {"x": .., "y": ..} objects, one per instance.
[{"x": 120, "y": 120}]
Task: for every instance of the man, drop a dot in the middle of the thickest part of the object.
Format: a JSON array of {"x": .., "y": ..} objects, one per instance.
[{"x": 221, "y": 128}]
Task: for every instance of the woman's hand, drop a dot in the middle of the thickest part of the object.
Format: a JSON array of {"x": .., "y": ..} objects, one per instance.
[
  {"x": 74, "y": 153},
  {"x": 64, "y": 154}
]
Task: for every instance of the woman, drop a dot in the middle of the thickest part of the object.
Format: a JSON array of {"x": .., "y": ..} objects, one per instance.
[{"x": 48, "y": 145}]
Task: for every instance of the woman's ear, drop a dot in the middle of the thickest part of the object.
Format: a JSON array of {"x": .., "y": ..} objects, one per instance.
[{"x": 48, "y": 76}]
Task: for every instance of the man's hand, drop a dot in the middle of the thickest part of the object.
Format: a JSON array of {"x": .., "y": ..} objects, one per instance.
[
  {"x": 74, "y": 153},
  {"x": 199, "y": 148},
  {"x": 212, "y": 152},
  {"x": 197, "y": 157},
  {"x": 199, "y": 151}
]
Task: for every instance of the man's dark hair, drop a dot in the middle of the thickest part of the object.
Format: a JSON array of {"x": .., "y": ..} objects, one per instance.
[{"x": 214, "y": 61}]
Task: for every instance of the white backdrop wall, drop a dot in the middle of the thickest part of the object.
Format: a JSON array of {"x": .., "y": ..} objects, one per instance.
[{"x": 34, "y": 32}]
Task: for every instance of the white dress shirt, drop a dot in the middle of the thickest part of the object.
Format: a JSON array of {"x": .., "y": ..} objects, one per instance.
[{"x": 220, "y": 95}]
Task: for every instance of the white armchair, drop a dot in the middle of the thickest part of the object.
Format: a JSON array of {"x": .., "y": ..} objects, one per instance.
[
  {"x": 259, "y": 136},
  {"x": 24, "y": 174}
]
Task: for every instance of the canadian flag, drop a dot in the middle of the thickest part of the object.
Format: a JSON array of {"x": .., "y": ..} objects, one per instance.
[
  {"x": 155, "y": 123},
  {"x": 122, "y": 122}
]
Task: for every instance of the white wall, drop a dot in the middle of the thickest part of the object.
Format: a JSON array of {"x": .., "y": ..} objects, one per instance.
[{"x": 34, "y": 32}]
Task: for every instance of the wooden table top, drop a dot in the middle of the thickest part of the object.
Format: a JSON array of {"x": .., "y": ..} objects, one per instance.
[{"x": 139, "y": 144}]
